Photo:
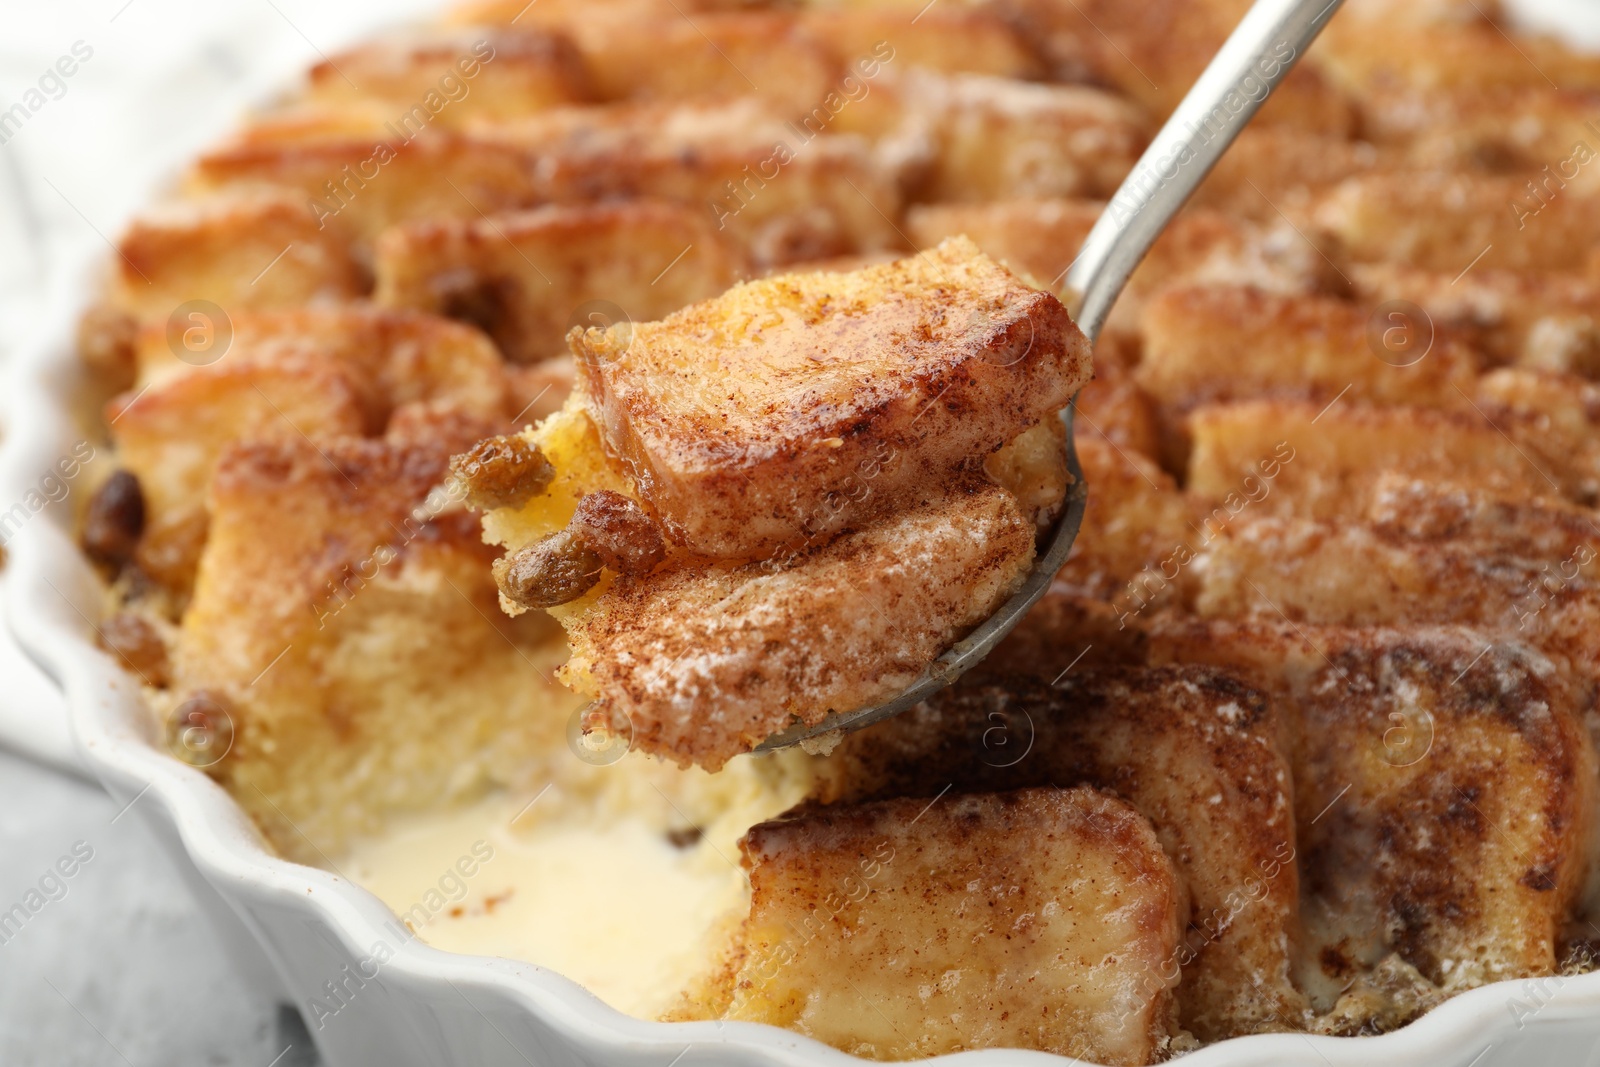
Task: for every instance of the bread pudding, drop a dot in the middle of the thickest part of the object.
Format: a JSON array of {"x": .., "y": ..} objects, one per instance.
[{"x": 523, "y": 420}]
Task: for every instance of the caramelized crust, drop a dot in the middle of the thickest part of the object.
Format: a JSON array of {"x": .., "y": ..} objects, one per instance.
[
  {"x": 1040, "y": 919},
  {"x": 747, "y": 420},
  {"x": 525, "y": 279},
  {"x": 1199, "y": 754}
]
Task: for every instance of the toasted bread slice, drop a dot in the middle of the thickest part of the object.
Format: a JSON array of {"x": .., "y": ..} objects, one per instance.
[
  {"x": 250, "y": 250},
  {"x": 1450, "y": 222},
  {"x": 455, "y": 77},
  {"x": 1002, "y": 139},
  {"x": 1327, "y": 458},
  {"x": 169, "y": 436},
  {"x": 1201, "y": 755},
  {"x": 392, "y": 357},
  {"x": 1541, "y": 321},
  {"x": 1444, "y": 844},
  {"x": 527, "y": 278},
  {"x": 362, "y": 185},
  {"x": 354, "y": 655},
  {"x": 698, "y": 663},
  {"x": 1272, "y": 171},
  {"x": 745, "y": 419},
  {"x": 1133, "y": 543},
  {"x": 1113, "y": 408},
  {"x": 1154, "y": 51},
  {"x": 1462, "y": 53},
  {"x": 1209, "y": 344},
  {"x": 1519, "y": 570},
  {"x": 1043, "y": 237},
  {"x": 970, "y": 39},
  {"x": 1043, "y": 919},
  {"x": 710, "y": 55},
  {"x": 787, "y": 194}
]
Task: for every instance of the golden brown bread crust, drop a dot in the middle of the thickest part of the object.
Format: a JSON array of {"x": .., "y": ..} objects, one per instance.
[
  {"x": 392, "y": 357},
  {"x": 1334, "y": 458},
  {"x": 704, "y": 661},
  {"x": 170, "y": 436},
  {"x": 1201, "y": 755},
  {"x": 1043, "y": 918},
  {"x": 220, "y": 249},
  {"x": 454, "y": 77},
  {"x": 1215, "y": 343},
  {"x": 746, "y": 420}
]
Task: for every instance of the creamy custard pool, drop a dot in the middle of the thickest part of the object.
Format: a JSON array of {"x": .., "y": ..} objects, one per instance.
[{"x": 623, "y": 878}]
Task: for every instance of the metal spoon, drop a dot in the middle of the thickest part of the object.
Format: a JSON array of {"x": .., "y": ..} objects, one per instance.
[{"x": 1258, "y": 55}]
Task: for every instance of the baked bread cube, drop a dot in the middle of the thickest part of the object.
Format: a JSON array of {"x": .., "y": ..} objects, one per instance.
[
  {"x": 1326, "y": 468},
  {"x": 1444, "y": 844},
  {"x": 787, "y": 195},
  {"x": 739, "y": 418},
  {"x": 1516, "y": 570},
  {"x": 1270, "y": 169},
  {"x": 1203, "y": 756},
  {"x": 354, "y": 656},
  {"x": 362, "y": 184},
  {"x": 698, "y": 663},
  {"x": 1442, "y": 221},
  {"x": 170, "y": 435},
  {"x": 1000, "y": 139},
  {"x": 710, "y": 55},
  {"x": 969, "y": 39},
  {"x": 1043, "y": 237},
  {"x": 524, "y": 278},
  {"x": 1042, "y": 919},
  {"x": 1154, "y": 51},
  {"x": 1546, "y": 322},
  {"x": 1133, "y": 544},
  {"x": 250, "y": 250},
  {"x": 1366, "y": 59},
  {"x": 1211, "y": 343},
  {"x": 454, "y": 77},
  {"x": 392, "y": 357}
]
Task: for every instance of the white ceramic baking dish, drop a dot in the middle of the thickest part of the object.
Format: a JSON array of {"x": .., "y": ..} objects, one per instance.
[{"x": 402, "y": 1004}]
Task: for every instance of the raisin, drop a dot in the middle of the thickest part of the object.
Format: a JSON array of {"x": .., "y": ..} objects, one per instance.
[
  {"x": 115, "y": 519},
  {"x": 619, "y": 531},
  {"x": 559, "y": 569},
  {"x": 135, "y": 641},
  {"x": 502, "y": 472}
]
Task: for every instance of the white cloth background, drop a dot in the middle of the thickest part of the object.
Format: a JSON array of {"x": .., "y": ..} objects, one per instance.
[{"x": 120, "y": 970}]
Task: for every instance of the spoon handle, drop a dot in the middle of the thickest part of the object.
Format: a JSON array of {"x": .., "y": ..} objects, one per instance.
[{"x": 1259, "y": 54}]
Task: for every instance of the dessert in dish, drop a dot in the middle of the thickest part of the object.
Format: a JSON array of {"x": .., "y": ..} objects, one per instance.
[{"x": 1299, "y": 741}]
